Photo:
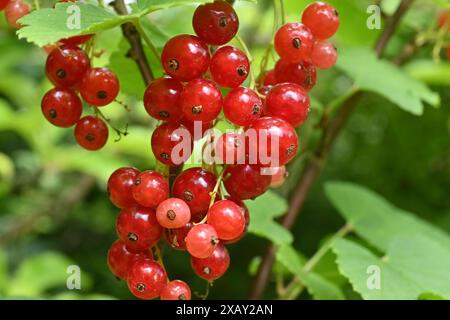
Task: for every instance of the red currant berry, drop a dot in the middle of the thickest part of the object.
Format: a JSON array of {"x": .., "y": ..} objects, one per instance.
[
  {"x": 91, "y": 133},
  {"x": 227, "y": 218},
  {"x": 229, "y": 67},
  {"x": 162, "y": 99},
  {"x": 245, "y": 181},
  {"x": 185, "y": 57},
  {"x": 138, "y": 228},
  {"x": 279, "y": 174},
  {"x": 76, "y": 40},
  {"x": 171, "y": 143},
  {"x": 197, "y": 129},
  {"x": 288, "y": 101},
  {"x": 15, "y": 10},
  {"x": 61, "y": 107},
  {"x": 194, "y": 186},
  {"x": 120, "y": 259},
  {"x": 302, "y": 73},
  {"x": 322, "y": 19},
  {"x": 214, "y": 266},
  {"x": 99, "y": 86},
  {"x": 242, "y": 106},
  {"x": 65, "y": 66},
  {"x": 269, "y": 78},
  {"x": 244, "y": 209},
  {"x": 3, "y": 4},
  {"x": 120, "y": 184},
  {"x": 146, "y": 279},
  {"x": 176, "y": 290},
  {"x": 230, "y": 149},
  {"x": 150, "y": 189},
  {"x": 324, "y": 55},
  {"x": 173, "y": 213},
  {"x": 294, "y": 42},
  {"x": 273, "y": 131},
  {"x": 201, "y": 241},
  {"x": 201, "y": 100},
  {"x": 176, "y": 237},
  {"x": 215, "y": 23}
]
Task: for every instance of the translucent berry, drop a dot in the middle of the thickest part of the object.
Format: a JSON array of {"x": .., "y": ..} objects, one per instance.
[
  {"x": 138, "y": 228},
  {"x": 120, "y": 184},
  {"x": 214, "y": 266},
  {"x": 65, "y": 66},
  {"x": 244, "y": 209},
  {"x": 201, "y": 241},
  {"x": 91, "y": 133},
  {"x": 162, "y": 99},
  {"x": 269, "y": 78},
  {"x": 322, "y": 19},
  {"x": 324, "y": 55},
  {"x": 301, "y": 73},
  {"x": 15, "y": 10},
  {"x": 245, "y": 181},
  {"x": 185, "y": 57},
  {"x": 230, "y": 148},
  {"x": 294, "y": 42},
  {"x": 288, "y": 101},
  {"x": 173, "y": 213},
  {"x": 171, "y": 144},
  {"x": 61, "y": 107},
  {"x": 150, "y": 189},
  {"x": 279, "y": 174},
  {"x": 146, "y": 279},
  {"x": 3, "y": 4},
  {"x": 215, "y": 23},
  {"x": 201, "y": 100},
  {"x": 227, "y": 218},
  {"x": 120, "y": 259},
  {"x": 229, "y": 67},
  {"x": 176, "y": 237},
  {"x": 194, "y": 186},
  {"x": 242, "y": 106},
  {"x": 76, "y": 40},
  {"x": 99, "y": 86},
  {"x": 176, "y": 290}
]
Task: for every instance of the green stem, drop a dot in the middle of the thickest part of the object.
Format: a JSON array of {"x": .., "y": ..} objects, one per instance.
[
  {"x": 282, "y": 12},
  {"x": 37, "y": 5},
  {"x": 250, "y": 59},
  {"x": 146, "y": 39}
]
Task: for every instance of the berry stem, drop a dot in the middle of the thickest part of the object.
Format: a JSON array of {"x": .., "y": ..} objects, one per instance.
[
  {"x": 157, "y": 254},
  {"x": 36, "y": 4},
  {"x": 217, "y": 186},
  {"x": 282, "y": 12},
  {"x": 146, "y": 39},
  {"x": 119, "y": 132},
  {"x": 250, "y": 59}
]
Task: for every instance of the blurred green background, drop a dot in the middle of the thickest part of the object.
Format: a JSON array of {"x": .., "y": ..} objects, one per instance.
[{"x": 54, "y": 211}]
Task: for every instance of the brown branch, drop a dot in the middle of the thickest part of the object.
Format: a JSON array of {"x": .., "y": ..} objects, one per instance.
[
  {"x": 137, "y": 50},
  {"x": 331, "y": 131}
]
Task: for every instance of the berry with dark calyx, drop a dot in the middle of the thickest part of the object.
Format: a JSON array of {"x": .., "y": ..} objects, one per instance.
[
  {"x": 66, "y": 66},
  {"x": 215, "y": 23},
  {"x": 146, "y": 279},
  {"x": 288, "y": 101},
  {"x": 294, "y": 42},
  {"x": 227, "y": 218},
  {"x": 214, "y": 266},
  {"x": 173, "y": 213},
  {"x": 120, "y": 258},
  {"x": 244, "y": 208},
  {"x": 324, "y": 55},
  {"x": 301, "y": 73},
  {"x": 201, "y": 100},
  {"x": 120, "y": 185},
  {"x": 185, "y": 57},
  {"x": 176, "y": 290},
  {"x": 230, "y": 148},
  {"x": 91, "y": 133},
  {"x": 3, "y": 4},
  {"x": 162, "y": 99},
  {"x": 245, "y": 181},
  {"x": 322, "y": 19},
  {"x": 279, "y": 174},
  {"x": 138, "y": 228},
  {"x": 150, "y": 189},
  {"x": 15, "y": 10},
  {"x": 284, "y": 136},
  {"x": 99, "y": 86},
  {"x": 194, "y": 186},
  {"x": 168, "y": 136},
  {"x": 201, "y": 241},
  {"x": 61, "y": 107},
  {"x": 242, "y": 106},
  {"x": 229, "y": 67},
  {"x": 176, "y": 237},
  {"x": 76, "y": 40}
]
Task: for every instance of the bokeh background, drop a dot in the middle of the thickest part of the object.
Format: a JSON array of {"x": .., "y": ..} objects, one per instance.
[{"x": 54, "y": 211}]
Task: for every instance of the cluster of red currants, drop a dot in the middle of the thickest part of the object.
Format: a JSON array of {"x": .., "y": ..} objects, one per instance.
[{"x": 194, "y": 214}]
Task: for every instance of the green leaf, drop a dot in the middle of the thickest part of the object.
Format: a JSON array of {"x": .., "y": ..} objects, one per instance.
[
  {"x": 375, "y": 219},
  {"x": 386, "y": 79},
  {"x": 430, "y": 72},
  {"x": 153, "y": 5},
  {"x": 263, "y": 210},
  {"x": 411, "y": 267}
]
